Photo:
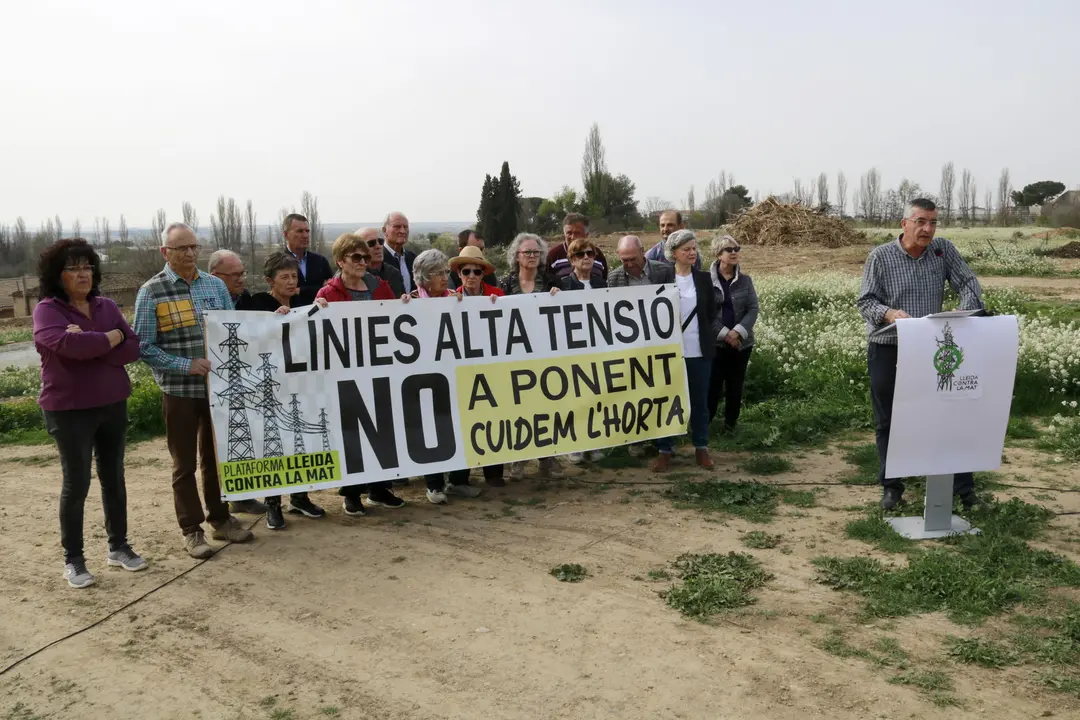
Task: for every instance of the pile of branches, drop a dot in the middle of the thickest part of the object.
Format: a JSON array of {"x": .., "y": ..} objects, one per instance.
[{"x": 771, "y": 222}]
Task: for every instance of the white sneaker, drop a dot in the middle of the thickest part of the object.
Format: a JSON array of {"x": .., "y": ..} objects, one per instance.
[
  {"x": 517, "y": 470},
  {"x": 468, "y": 491},
  {"x": 635, "y": 450},
  {"x": 596, "y": 455},
  {"x": 575, "y": 458},
  {"x": 436, "y": 497}
]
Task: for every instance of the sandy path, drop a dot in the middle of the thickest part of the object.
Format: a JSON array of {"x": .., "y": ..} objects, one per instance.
[{"x": 449, "y": 612}]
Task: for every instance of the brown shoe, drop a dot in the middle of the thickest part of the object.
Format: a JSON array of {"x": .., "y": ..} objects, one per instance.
[
  {"x": 232, "y": 530},
  {"x": 662, "y": 463},
  {"x": 703, "y": 458},
  {"x": 195, "y": 545}
]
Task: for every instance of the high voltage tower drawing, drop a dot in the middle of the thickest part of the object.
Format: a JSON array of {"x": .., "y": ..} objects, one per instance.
[
  {"x": 240, "y": 444},
  {"x": 269, "y": 405},
  {"x": 258, "y": 390},
  {"x": 325, "y": 425},
  {"x": 298, "y": 433}
]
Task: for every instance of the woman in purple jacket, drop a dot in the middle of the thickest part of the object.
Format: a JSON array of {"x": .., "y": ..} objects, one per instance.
[{"x": 84, "y": 343}]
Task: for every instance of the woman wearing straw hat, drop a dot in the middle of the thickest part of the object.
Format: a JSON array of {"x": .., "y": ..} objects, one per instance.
[{"x": 471, "y": 266}]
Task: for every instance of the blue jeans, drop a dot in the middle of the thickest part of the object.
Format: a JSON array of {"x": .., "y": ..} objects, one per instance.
[{"x": 698, "y": 372}]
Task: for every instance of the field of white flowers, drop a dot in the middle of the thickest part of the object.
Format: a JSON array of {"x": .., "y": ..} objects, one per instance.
[{"x": 807, "y": 378}]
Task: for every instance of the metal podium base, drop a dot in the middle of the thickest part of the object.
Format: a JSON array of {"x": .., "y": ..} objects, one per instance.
[{"x": 937, "y": 520}]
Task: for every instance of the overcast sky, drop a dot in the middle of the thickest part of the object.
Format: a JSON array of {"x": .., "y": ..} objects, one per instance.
[{"x": 124, "y": 107}]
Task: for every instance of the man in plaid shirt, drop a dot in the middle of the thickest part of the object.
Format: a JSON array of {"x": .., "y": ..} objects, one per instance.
[
  {"x": 168, "y": 320},
  {"x": 906, "y": 279}
]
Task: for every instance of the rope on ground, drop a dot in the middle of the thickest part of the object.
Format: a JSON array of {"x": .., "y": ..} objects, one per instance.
[{"x": 116, "y": 612}]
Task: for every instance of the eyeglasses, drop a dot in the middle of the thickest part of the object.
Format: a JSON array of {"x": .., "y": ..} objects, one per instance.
[
  {"x": 79, "y": 269},
  {"x": 466, "y": 272},
  {"x": 194, "y": 249},
  {"x": 358, "y": 258},
  {"x": 376, "y": 241},
  {"x": 923, "y": 222},
  {"x": 584, "y": 253},
  {"x": 731, "y": 249},
  {"x": 529, "y": 253}
]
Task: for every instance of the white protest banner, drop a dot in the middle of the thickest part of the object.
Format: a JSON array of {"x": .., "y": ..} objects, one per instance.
[
  {"x": 954, "y": 386},
  {"x": 365, "y": 391}
]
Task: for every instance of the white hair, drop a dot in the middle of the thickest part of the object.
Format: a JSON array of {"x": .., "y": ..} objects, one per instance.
[
  {"x": 427, "y": 264},
  {"x": 632, "y": 240},
  {"x": 174, "y": 226},
  {"x": 515, "y": 245},
  {"x": 220, "y": 256},
  {"x": 676, "y": 240},
  {"x": 392, "y": 214}
]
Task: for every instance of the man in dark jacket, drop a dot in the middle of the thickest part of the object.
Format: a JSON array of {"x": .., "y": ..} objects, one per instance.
[
  {"x": 636, "y": 268},
  {"x": 575, "y": 227},
  {"x": 315, "y": 270},
  {"x": 396, "y": 232}
]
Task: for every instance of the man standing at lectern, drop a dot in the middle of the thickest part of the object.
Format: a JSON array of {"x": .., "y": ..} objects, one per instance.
[{"x": 905, "y": 278}]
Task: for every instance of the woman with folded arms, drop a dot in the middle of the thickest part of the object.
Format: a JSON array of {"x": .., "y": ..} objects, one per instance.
[
  {"x": 737, "y": 309},
  {"x": 84, "y": 343}
]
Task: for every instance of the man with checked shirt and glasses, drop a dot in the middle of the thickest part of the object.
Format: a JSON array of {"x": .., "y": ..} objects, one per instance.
[
  {"x": 906, "y": 279},
  {"x": 169, "y": 322}
]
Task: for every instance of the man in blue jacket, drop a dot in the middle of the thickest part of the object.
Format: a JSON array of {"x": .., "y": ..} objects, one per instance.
[{"x": 314, "y": 268}]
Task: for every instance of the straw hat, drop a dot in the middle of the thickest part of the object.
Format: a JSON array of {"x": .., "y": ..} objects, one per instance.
[{"x": 471, "y": 255}]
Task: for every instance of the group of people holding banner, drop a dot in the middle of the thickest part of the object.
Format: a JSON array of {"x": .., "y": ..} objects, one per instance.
[{"x": 85, "y": 343}]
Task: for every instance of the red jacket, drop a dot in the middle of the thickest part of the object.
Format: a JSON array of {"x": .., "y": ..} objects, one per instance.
[
  {"x": 485, "y": 290},
  {"x": 335, "y": 290}
]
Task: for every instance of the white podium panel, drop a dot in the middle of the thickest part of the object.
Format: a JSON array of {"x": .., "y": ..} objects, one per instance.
[{"x": 954, "y": 386}]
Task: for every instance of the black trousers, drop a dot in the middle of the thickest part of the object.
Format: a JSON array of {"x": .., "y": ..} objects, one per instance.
[
  {"x": 727, "y": 380},
  {"x": 80, "y": 436},
  {"x": 355, "y": 491},
  {"x": 881, "y": 364},
  {"x": 437, "y": 481}
]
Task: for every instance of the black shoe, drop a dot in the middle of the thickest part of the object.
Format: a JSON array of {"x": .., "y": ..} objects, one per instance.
[
  {"x": 353, "y": 506},
  {"x": 892, "y": 498},
  {"x": 302, "y": 505},
  {"x": 247, "y": 507},
  {"x": 401, "y": 481},
  {"x": 385, "y": 498},
  {"x": 275, "y": 519},
  {"x": 971, "y": 501}
]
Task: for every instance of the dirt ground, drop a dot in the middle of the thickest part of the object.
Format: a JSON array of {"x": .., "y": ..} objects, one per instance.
[{"x": 450, "y": 612}]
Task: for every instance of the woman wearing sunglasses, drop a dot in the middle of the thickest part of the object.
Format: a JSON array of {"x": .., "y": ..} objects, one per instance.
[
  {"x": 737, "y": 307},
  {"x": 471, "y": 267},
  {"x": 582, "y": 255},
  {"x": 352, "y": 253}
]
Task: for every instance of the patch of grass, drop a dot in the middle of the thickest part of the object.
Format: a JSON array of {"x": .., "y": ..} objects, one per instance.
[
  {"x": 656, "y": 575},
  {"x": 760, "y": 540},
  {"x": 1062, "y": 683},
  {"x": 618, "y": 459},
  {"x": 969, "y": 577},
  {"x": 569, "y": 572},
  {"x": 398, "y": 559},
  {"x": 330, "y": 711},
  {"x": 935, "y": 684},
  {"x": 875, "y": 531},
  {"x": 885, "y": 652},
  {"x": 749, "y": 500},
  {"x": 715, "y": 583},
  {"x": 16, "y": 335},
  {"x": 282, "y": 714},
  {"x": 766, "y": 465},
  {"x": 268, "y": 702},
  {"x": 977, "y": 651},
  {"x": 20, "y": 711},
  {"x": 1022, "y": 428},
  {"x": 864, "y": 458},
  {"x": 798, "y": 498}
]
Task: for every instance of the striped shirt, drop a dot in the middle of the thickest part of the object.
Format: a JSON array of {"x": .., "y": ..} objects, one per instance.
[
  {"x": 168, "y": 321},
  {"x": 893, "y": 280}
]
